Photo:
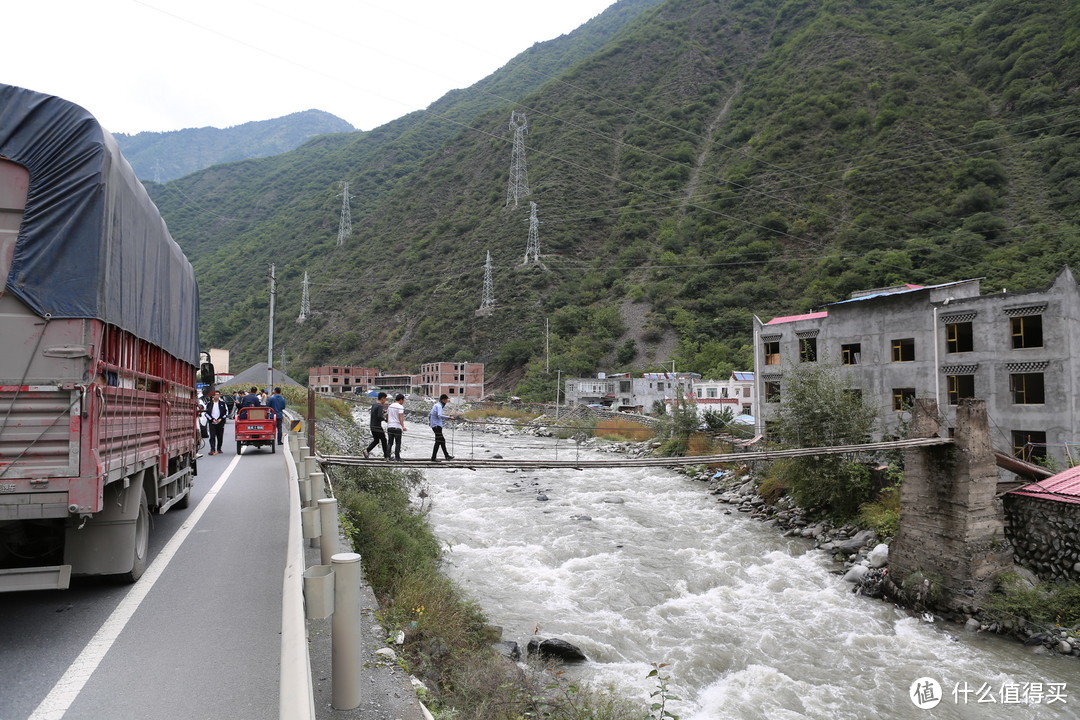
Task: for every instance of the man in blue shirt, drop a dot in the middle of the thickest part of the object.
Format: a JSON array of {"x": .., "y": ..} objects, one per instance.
[
  {"x": 436, "y": 418},
  {"x": 278, "y": 402}
]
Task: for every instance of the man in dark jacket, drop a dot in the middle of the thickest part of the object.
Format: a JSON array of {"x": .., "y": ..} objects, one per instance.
[
  {"x": 216, "y": 413},
  {"x": 251, "y": 399},
  {"x": 278, "y": 402},
  {"x": 378, "y": 415}
]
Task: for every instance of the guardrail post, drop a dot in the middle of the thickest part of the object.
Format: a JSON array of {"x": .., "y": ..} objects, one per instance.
[
  {"x": 328, "y": 517},
  {"x": 345, "y": 631},
  {"x": 317, "y": 488}
]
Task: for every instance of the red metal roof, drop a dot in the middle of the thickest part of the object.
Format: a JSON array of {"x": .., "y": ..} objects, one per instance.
[
  {"x": 793, "y": 318},
  {"x": 1063, "y": 487}
]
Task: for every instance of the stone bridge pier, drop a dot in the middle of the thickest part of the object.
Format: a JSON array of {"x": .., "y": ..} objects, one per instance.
[{"x": 950, "y": 546}]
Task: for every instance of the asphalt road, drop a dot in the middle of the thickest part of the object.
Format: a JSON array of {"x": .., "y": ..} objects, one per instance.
[{"x": 198, "y": 637}]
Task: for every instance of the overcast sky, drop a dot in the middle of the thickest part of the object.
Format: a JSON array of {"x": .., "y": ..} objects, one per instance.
[{"x": 172, "y": 64}]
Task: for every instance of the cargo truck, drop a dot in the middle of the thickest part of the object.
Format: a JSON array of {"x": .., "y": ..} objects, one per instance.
[{"x": 98, "y": 352}]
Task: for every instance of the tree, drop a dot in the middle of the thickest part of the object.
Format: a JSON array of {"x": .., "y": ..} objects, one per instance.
[{"x": 820, "y": 410}]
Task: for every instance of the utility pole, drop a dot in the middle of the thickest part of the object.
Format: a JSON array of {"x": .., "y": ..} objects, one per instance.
[
  {"x": 518, "y": 187},
  {"x": 532, "y": 249},
  {"x": 547, "y": 347},
  {"x": 345, "y": 225},
  {"x": 305, "y": 302},
  {"x": 270, "y": 344},
  {"x": 487, "y": 305},
  {"x": 558, "y": 396}
]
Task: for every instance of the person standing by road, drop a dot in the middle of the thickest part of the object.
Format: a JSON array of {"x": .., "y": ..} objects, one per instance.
[
  {"x": 278, "y": 402},
  {"x": 395, "y": 424},
  {"x": 251, "y": 399},
  {"x": 436, "y": 419},
  {"x": 216, "y": 413},
  {"x": 378, "y": 415}
]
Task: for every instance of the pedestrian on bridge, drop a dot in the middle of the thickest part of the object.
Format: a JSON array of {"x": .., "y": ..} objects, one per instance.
[
  {"x": 377, "y": 417},
  {"x": 436, "y": 419},
  {"x": 278, "y": 402},
  {"x": 395, "y": 424}
]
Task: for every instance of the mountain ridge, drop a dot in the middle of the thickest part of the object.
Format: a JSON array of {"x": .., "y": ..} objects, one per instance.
[
  {"x": 164, "y": 156},
  {"x": 698, "y": 164}
]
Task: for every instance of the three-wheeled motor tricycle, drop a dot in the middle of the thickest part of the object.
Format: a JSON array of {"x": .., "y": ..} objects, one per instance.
[{"x": 256, "y": 426}]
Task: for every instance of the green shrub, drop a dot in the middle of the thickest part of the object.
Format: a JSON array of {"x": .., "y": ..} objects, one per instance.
[{"x": 882, "y": 515}]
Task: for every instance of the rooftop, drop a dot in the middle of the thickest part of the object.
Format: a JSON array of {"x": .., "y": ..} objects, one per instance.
[{"x": 1063, "y": 487}]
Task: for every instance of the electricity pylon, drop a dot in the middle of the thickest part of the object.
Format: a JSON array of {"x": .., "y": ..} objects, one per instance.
[
  {"x": 532, "y": 249},
  {"x": 518, "y": 187},
  {"x": 345, "y": 226},
  {"x": 488, "y": 303},
  {"x": 305, "y": 302}
]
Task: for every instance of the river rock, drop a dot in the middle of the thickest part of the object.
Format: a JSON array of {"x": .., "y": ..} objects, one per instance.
[
  {"x": 879, "y": 556},
  {"x": 542, "y": 497},
  {"x": 509, "y": 649},
  {"x": 555, "y": 648},
  {"x": 614, "y": 500},
  {"x": 854, "y": 544},
  {"x": 972, "y": 625},
  {"x": 856, "y": 574}
]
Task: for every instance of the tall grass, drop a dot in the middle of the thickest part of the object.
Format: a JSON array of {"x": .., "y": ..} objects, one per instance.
[{"x": 622, "y": 430}]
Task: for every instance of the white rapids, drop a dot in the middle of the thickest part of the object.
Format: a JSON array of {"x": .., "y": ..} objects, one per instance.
[{"x": 637, "y": 566}]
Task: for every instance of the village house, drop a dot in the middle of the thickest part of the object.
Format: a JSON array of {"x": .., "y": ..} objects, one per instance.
[
  {"x": 949, "y": 341},
  {"x": 736, "y": 394},
  {"x": 459, "y": 381},
  {"x": 340, "y": 379},
  {"x": 627, "y": 393}
]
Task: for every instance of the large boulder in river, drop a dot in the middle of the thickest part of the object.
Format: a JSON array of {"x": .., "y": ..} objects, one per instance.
[
  {"x": 855, "y": 544},
  {"x": 555, "y": 648}
]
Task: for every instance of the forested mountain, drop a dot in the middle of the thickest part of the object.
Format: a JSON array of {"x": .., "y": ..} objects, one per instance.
[
  {"x": 693, "y": 162},
  {"x": 164, "y": 156}
]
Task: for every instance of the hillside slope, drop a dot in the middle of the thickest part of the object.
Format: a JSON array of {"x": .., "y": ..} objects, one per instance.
[{"x": 696, "y": 163}]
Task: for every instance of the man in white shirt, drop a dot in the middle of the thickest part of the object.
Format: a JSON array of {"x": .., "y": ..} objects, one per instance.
[{"x": 395, "y": 424}]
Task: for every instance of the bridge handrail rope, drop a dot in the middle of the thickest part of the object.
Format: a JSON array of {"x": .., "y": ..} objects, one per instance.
[{"x": 478, "y": 463}]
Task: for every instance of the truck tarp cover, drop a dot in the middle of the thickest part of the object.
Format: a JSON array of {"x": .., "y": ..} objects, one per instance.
[{"x": 92, "y": 244}]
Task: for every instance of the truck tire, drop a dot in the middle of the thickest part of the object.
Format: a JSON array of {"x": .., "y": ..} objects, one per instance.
[
  {"x": 273, "y": 447},
  {"x": 141, "y": 528},
  {"x": 239, "y": 447}
]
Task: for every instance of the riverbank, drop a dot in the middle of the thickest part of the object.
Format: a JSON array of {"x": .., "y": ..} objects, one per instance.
[{"x": 861, "y": 556}]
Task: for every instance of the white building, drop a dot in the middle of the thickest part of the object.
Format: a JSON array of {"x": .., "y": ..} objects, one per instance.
[{"x": 735, "y": 394}]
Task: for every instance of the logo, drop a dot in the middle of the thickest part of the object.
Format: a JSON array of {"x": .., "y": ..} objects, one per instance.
[{"x": 925, "y": 693}]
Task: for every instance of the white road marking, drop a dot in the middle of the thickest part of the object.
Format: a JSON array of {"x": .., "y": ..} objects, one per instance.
[{"x": 68, "y": 687}]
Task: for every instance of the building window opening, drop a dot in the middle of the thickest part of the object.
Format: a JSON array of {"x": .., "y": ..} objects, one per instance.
[
  {"x": 1029, "y": 445},
  {"x": 772, "y": 352},
  {"x": 1027, "y": 388},
  {"x": 903, "y": 398},
  {"x": 960, "y": 387},
  {"x": 851, "y": 354},
  {"x": 772, "y": 391},
  {"x": 959, "y": 338},
  {"x": 1027, "y": 331},
  {"x": 903, "y": 350},
  {"x": 808, "y": 350}
]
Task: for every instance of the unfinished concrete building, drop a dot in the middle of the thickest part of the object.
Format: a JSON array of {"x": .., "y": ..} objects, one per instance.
[{"x": 1014, "y": 350}]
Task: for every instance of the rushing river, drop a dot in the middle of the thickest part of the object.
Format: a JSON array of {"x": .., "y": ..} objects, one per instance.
[{"x": 639, "y": 566}]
